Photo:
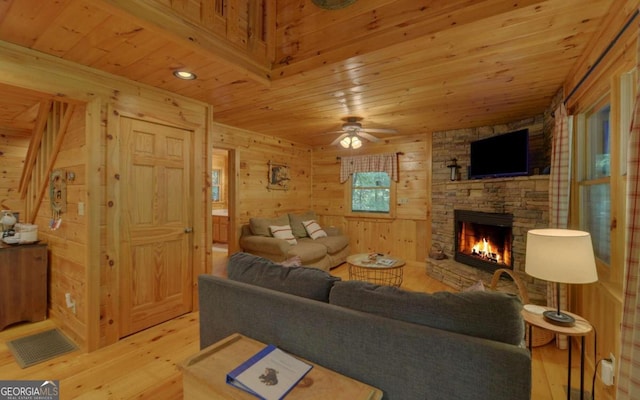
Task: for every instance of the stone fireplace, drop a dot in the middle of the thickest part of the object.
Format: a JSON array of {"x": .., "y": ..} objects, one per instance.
[
  {"x": 522, "y": 201},
  {"x": 483, "y": 240}
]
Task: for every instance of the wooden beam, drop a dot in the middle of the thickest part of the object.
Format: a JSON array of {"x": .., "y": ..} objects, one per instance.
[
  {"x": 64, "y": 124},
  {"x": 161, "y": 20},
  {"x": 36, "y": 139}
]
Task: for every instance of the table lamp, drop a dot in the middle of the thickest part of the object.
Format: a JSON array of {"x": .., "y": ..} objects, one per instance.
[{"x": 561, "y": 256}]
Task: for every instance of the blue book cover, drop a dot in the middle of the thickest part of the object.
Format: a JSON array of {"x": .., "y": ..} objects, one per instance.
[{"x": 269, "y": 374}]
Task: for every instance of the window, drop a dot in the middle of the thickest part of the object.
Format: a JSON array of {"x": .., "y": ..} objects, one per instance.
[
  {"x": 215, "y": 185},
  {"x": 371, "y": 192},
  {"x": 595, "y": 179}
]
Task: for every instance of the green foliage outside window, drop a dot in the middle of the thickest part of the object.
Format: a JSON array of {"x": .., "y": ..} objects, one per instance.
[{"x": 370, "y": 192}]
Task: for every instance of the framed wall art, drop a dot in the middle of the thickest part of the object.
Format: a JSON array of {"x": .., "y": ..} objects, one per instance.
[{"x": 278, "y": 176}]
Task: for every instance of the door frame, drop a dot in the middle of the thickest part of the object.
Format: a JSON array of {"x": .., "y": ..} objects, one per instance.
[
  {"x": 233, "y": 166},
  {"x": 160, "y": 113}
]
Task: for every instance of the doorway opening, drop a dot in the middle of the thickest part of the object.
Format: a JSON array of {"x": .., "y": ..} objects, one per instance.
[{"x": 220, "y": 200}]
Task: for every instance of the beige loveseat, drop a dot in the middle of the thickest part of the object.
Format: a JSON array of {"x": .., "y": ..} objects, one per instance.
[{"x": 323, "y": 253}]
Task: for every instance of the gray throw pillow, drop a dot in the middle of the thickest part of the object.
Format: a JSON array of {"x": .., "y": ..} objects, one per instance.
[
  {"x": 295, "y": 220},
  {"x": 306, "y": 282},
  {"x": 488, "y": 315}
]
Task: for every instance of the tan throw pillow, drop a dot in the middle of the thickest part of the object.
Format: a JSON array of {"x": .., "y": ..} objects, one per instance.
[
  {"x": 260, "y": 226},
  {"x": 313, "y": 229},
  {"x": 283, "y": 232}
]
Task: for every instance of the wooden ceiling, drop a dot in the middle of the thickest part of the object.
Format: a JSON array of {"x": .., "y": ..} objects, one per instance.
[{"x": 290, "y": 69}]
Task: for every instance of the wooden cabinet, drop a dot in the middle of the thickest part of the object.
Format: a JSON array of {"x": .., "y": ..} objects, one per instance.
[
  {"x": 23, "y": 283},
  {"x": 220, "y": 228}
]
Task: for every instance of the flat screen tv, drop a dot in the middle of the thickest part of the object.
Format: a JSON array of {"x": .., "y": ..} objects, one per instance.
[{"x": 499, "y": 156}]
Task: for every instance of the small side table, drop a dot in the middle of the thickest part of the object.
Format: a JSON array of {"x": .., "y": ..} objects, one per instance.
[
  {"x": 581, "y": 329},
  {"x": 204, "y": 375},
  {"x": 362, "y": 268}
]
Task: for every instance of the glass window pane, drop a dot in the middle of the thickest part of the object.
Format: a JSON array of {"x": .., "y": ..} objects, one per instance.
[
  {"x": 596, "y": 218},
  {"x": 598, "y": 144},
  {"x": 371, "y": 192},
  {"x": 371, "y": 179}
]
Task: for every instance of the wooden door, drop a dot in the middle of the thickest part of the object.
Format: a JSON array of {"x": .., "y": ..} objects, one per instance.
[{"x": 155, "y": 239}]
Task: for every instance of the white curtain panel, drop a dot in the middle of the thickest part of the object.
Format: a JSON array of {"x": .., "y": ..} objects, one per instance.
[{"x": 559, "y": 195}]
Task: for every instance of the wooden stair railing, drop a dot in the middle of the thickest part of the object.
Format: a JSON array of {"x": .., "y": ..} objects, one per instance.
[{"x": 48, "y": 133}]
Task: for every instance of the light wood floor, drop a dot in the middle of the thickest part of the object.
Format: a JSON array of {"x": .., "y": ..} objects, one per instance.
[{"x": 145, "y": 365}]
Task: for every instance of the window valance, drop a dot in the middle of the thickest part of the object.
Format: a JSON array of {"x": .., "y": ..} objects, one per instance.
[{"x": 387, "y": 162}]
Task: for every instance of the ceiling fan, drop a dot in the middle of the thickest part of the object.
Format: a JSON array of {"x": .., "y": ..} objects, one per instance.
[{"x": 352, "y": 133}]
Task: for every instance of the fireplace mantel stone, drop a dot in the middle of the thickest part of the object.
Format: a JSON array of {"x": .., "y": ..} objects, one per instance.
[{"x": 527, "y": 198}]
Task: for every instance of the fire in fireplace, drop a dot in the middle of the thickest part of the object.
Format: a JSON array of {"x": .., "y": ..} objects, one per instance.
[{"x": 483, "y": 240}]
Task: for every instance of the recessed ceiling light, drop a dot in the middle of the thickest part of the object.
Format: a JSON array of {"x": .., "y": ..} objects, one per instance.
[{"x": 186, "y": 75}]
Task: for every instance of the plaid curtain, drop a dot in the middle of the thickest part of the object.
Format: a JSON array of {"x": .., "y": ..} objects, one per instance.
[
  {"x": 629, "y": 365},
  {"x": 370, "y": 163},
  {"x": 559, "y": 191}
]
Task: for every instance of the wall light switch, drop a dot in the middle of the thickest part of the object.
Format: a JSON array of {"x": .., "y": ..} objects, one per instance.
[{"x": 80, "y": 208}]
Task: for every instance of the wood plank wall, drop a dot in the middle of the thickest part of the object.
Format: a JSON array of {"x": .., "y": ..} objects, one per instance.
[
  {"x": 254, "y": 151},
  {"x": 13, "y": 149},
  {"x": 601, "y": 303},
  {"x": 408, "y": 235},
  {"x": 79, "y": 250},
  {"x": 67, "y": 245}
]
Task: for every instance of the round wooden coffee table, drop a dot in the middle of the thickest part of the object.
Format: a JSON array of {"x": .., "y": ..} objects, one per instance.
[{"x": 381, "y": 270}]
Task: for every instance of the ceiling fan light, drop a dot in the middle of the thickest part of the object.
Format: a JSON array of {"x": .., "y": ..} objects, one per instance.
[
  {"x": 356, "y": 143},
  {"x": 345, "y": 142}
]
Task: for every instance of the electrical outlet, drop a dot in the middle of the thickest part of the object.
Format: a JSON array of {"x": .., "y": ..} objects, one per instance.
[
  {"x": 70, "y": 302},
  {"x": 607, "y": 372}
]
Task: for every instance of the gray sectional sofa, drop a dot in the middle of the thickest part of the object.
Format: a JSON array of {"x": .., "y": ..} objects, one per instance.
[
  {"x": 322, "y": 253},
  {"x": 410, "y": 345}
]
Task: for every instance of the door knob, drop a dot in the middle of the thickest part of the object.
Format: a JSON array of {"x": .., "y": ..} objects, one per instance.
[{"x": 188, "y": 230}]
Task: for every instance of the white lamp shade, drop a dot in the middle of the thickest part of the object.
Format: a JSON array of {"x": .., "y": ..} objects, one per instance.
[
  {"x": 356, "y": 143},
  {"x": 560, "y": 255},
  {"x": 346, "y": 142}
]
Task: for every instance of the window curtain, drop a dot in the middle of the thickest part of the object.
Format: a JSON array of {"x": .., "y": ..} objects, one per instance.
[
  {"x": 629, "y": 364},
  {"x": 559, "y": 191},
  {"x": 370, "y": 163}
]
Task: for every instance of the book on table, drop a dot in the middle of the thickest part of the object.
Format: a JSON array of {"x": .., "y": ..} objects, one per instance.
[
  {"x": 387, "y": 262},
  {"x": 270, "y": 374}
]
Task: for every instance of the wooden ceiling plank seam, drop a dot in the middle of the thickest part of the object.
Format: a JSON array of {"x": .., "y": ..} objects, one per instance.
[
  {"x": 424, "y": 21},
  {"x": 619, "y": 12},
  {"x": 34, "y": 145},
  {"x": 69, "y": 28},
  {"x": 490, "y": 69},
  {"x": 419, "y": 59},
  {"x": 450, "y": 105},
  {"x": 170, "y": 54},
  {"x": 431, "y": 31},
  {"x": 129, "y": 52},
  {"x": 30, "y": 13},
  {"x": 600, "y": 42},
  {"x": 402, "y": 82},
  {"x": 163, "y": 22},
  {"x": 458, "y": 36},
  {"x": 98, "y": 43},
  {"x": 193, "y": 62}
]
